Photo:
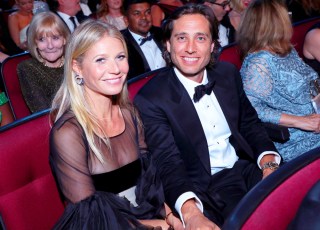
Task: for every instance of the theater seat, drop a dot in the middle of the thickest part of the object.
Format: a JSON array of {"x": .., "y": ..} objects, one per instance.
[
  {"x": 136, "y": 83},
  {"x": 12, "y": 85},
  {"x": 274, "y": 202},
  {"x": 29, "y": 198}
]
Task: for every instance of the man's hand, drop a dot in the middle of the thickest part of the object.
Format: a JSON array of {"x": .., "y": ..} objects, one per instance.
[
  {"x": 194, "y": 218},
  {"x": 267, "y": 158}
]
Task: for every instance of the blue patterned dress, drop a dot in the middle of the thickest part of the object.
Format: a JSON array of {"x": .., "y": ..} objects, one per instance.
[{"x": 277, "y": 85}]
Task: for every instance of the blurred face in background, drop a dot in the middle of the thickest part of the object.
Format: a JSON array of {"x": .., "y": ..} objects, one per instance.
[
  {"x": 25, "y": 5},
  {"x": 114, "y": 4},
  {"x": 139, "y": 18},
  {"x": 219, "y": 8}
]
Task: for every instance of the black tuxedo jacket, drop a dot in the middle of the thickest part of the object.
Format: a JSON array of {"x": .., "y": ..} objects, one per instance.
[
  {"x": 138, "y": 63},
  {"x": 175, "y": 136},
  {"x": 80, "y": 17}
]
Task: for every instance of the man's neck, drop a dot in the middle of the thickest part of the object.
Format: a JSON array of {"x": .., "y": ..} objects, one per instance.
[{"x": 69, "y": 12}]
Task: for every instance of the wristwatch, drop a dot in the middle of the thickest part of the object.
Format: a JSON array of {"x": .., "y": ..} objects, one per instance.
[{"x": 271, "y": 165}]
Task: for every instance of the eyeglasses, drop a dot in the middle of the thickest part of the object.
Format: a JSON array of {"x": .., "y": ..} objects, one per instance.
[{"x": 223, "y": 4}]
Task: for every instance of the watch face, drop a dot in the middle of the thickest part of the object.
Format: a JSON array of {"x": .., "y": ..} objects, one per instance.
[{"x": 271, "y": 165}]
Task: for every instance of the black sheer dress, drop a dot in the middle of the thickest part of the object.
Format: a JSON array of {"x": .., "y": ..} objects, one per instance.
[{"x": 109, "y": 195}]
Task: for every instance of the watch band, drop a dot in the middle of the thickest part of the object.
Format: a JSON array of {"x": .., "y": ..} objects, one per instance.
[{"x": 271, "y": 165}]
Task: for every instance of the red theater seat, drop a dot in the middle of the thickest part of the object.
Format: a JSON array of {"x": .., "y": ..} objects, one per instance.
[
  {"x": 274, "y": 202},
  {"x": 29, "y": 198},
  {"x": 12, "y": 85}
]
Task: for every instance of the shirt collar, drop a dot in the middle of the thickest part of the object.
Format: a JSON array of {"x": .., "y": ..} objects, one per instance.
[
  {"x": 188, "y": 84},
  {"x": 137, "y": 37}
]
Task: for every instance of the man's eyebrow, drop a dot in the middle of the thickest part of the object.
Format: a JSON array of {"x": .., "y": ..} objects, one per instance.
[
  {"x": 179, "y": 34},
  {"x": 197, "y": 34}
]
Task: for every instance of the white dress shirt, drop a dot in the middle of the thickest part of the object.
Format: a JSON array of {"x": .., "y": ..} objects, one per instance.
[
  {"x": 151, "y": 52},
  {"x": 66, "y": 19},
  {"x": 216, "y": 129}
]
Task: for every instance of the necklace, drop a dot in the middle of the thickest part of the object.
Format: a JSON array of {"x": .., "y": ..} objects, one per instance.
[{"x": 60, "y": 65}]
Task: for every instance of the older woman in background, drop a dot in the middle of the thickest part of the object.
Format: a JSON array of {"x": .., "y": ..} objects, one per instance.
[
  {"x": 41, "y": 76},
  {"x": 276, "y": 80}
]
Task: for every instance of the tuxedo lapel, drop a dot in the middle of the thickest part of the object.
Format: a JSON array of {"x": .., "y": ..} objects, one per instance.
[
  {"x": 183, "y": 108},
  {"x": 137, "y": 48},
  {"x": 225, "y": 97}
]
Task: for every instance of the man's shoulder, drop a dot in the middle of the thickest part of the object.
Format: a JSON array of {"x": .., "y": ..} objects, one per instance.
[
  {"x": 223, "y": 67},
  {"x": 158, "y": 83}
]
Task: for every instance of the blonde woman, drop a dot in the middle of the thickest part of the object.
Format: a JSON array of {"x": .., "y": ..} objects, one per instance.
[{"x": 98, "y": 154}]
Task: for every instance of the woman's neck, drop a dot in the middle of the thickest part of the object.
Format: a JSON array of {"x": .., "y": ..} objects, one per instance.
[
  {"x": 57, "y": 64},
  {"x": 115, "y": 13}
]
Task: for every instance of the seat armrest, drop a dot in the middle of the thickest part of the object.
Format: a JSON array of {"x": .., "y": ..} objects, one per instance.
[{"x": 277, "y": 133}]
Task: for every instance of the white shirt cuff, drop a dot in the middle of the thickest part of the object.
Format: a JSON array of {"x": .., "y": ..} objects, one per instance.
[
  {"x": 182, "y": 199},
  {"x": 277, "y": 157}
]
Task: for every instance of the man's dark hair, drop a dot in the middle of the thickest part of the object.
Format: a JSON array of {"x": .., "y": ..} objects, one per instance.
[
  {"x": 128, "y": 3},
  {"x": 190, "y": 9}
]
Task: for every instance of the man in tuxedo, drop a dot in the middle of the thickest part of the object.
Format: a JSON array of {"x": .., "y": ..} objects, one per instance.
[
  {"x": 204, "y": 136},
  {"x": 142, "y": 39},
  {"x": 69, "y": 11}
]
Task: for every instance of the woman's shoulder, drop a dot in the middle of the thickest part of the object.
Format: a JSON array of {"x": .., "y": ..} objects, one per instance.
[
  {"x": 29, "y": 65},
  {"x": 67, "y": 122}
]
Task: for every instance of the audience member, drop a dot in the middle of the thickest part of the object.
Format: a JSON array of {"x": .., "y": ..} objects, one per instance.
[
  {"x": 6, "y": 115},
  {"x": 143, "y": 40},
  {"x": 40, "y": 6},
  {"x": 19, "y": 21},
  {"x": 97, "y": 140},
  {"x": 111, "y": 11},
  {"x": 275, "y": 79},
  {"x": 210, "y": 145},
  {"x": 220, "y": 9},
  {"x": 162, "y": 9},
  {"x": 41, "y": 76},
  {"x": 3, "y": 56},
  {"x": 311, "y": 48},
  {"x": 85, "y": 8},
  {"x": 238, "y": 7},
  {"x": 303, "y": 9},
  {"x": 69, "y": 11}
]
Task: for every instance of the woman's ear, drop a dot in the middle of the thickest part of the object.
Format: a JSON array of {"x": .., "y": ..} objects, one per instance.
[{"x": 76, "y": 67}]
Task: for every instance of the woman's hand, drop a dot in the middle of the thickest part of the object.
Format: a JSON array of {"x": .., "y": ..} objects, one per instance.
[{"x": 308, "y": 123}]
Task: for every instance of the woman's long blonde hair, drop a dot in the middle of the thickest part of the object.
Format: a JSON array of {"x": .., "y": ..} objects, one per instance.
[{"x": 71, "y": 96}]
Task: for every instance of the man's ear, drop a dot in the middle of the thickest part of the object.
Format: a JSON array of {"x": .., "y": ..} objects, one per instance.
[
  {"x": 76, "y": 67},
  {"x": 168, "y": 46},
  {"x": 212, "y": 46}
]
